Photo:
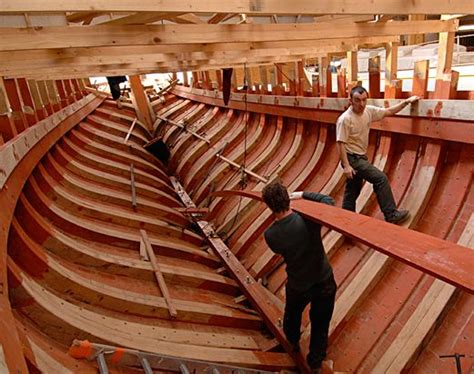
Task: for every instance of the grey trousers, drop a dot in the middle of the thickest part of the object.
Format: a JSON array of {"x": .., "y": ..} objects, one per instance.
[{"x": 366, "y": 171}]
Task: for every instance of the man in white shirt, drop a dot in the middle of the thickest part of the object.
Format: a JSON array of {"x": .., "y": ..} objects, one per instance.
[{"x": 352, "y": 136}]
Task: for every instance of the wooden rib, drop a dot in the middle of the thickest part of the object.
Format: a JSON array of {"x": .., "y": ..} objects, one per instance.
[
  {"x": 159, "y": 276},
  {"x": 423, "y": 319},
  {"x": 218, "y": 130},
  {"x": 105, "y": 194},
  {"x": 141, "y": 337},
  {"x": 139, "y": 298}
]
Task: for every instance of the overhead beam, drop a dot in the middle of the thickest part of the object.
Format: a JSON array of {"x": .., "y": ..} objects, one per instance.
[
  {"x": 122, "y": 52},
  {"x": 23, "y": 62},
  {"x": 103, "y": 35},
  {"x": 257, "y": 7}
]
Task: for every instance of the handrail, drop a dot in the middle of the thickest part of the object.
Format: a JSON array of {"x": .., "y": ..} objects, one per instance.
[{"x": 450, "y": 262}]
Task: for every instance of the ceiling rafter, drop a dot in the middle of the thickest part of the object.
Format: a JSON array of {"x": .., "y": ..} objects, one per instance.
[
  {"x": 260, "y": 7},
  {"x": 95, "y": 36}
]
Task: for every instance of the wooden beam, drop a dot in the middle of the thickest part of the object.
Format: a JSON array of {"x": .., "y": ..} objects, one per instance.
[
  {"x": 391, "y": 68},
  {"x": 352, "y": 68},
  {"x": 220, "y": 17},
  {"x": 128, "y": 54},
  {"x": 374, "y": 77},
  {"x": 103, "y": 35},
  {"x": 142, "y": 104},
  {"x": 158, "y": 274},
  {"x": 140, "y": 18},
  {"x": 263, "y": 7},
  {"x": 420, "y": 78},
  {"x": 447, "y": 261},
  {"x": 445, "y": 62},
  {"x": 83, "y": 16},
  {"x": 416, "y": 39}
]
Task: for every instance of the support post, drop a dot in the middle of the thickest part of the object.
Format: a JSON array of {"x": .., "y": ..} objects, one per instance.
[
  {"x": 141, "y": 103},
  {"x": 374, "y": 77},
  {"x": 391, "y": 66}
]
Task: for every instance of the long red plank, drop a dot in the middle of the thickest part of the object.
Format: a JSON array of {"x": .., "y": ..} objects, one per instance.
[{"x": 444, "y": 260}]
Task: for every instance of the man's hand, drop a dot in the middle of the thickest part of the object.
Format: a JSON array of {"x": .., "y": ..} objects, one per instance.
[
  {"x": 296, "y": 195},
  {"x": 412, "y": 99},
  {"x": 349, "y": 172}
]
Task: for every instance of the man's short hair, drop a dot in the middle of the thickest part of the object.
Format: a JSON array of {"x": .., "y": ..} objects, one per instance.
[
  {"x": 358, "y": 89},
  {"x": 275, "y": 195}
]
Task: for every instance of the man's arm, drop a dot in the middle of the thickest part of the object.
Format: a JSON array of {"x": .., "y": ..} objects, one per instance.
[
  {"x": 398, "y": 107},
  {"x": 349, "y": 172},
  {"x": 313, "y": 196}
]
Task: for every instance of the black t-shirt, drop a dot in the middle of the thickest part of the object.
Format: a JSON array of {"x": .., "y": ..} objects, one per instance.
[{"x": 299, "y": 241}]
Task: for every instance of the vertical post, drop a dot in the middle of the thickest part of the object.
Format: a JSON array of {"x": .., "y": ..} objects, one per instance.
[
  {"x": 38, "y": 103},
  {"x": 420, "y": 78},
  {"x": 391, "y": 66},
  {"x": 16, "y": 104},
  {"x": 28, "y": 106},
  {"x": 341, "y": 83},
  {"x": 445, "y": 60},
  {"x": 62, "y": 92},
  {"x": 352, "y": 70},
  {"x": 219, "y": 79},
  {"x": 195, "y": 79},
  {"x": 185, "y": 78},
  {"x": 140, "y": 101},
  {"x": 374, "y": 77},
  {"x": 279, "y": 90},
  {"x": 44, "y": 97},
  {"x": 53, "y": 96},
  {"x": 7, "y": 126},
  {"x": 264, "y": 77},
  {"x": 206, "y": 79},
  {"x": 303, "y": 82},
  {"x": 292, "y": 75},
  {"x": 323, "y": 76}
]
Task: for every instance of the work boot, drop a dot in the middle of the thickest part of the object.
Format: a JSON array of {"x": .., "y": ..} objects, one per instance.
[{"x": 398, "y": 216}]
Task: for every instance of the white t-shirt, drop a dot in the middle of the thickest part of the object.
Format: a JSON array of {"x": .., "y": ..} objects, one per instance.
[{"x": 353, "y": 129}]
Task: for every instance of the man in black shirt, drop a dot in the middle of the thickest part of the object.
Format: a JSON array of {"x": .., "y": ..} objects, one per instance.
[{"x": 310, "y": 276}]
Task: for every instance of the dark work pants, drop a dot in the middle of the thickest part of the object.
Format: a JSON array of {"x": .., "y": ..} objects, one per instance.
[
  {"x": 366, "y": 171},
  {"x": 321, "y": 296}
]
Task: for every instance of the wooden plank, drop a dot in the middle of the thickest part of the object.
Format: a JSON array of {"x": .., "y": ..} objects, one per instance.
[
  {"x": 66, "y": 37},
  {"x": 158, "y": 274},
  {"x": 244, "y": 6},
  {"x": 450, "y": 262}
]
